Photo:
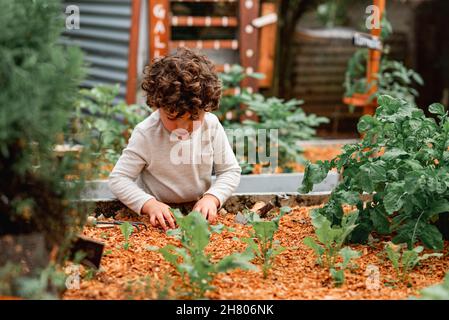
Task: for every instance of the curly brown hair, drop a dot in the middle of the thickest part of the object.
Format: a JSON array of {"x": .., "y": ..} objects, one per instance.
[{"x": 182, "y": 82}]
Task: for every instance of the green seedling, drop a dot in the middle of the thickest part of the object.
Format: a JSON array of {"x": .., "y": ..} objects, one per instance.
[
  {"x": 405, "y": 260},
  {"x": 261, "y": 242},
  {"x": 196, "y": 268},
  {"x": 330, "y": 247},
  {"x": 127, "y": 229}
]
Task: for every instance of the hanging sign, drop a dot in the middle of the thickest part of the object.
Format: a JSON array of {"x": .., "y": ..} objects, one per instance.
[{"x": 365, "y": 40}]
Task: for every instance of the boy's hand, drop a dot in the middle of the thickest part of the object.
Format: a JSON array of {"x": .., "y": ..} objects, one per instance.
[
  {"x": 160, "y": 213},
  {"x": 208, "y": 205}
]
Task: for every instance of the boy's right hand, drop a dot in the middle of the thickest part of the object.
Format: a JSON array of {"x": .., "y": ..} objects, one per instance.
[{"x": 160, "y": 213}]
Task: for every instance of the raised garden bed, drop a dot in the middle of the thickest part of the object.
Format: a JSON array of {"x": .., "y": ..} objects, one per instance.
[
  {"x": 249, "y": 184},
  {"x": 138, "y": 273}
]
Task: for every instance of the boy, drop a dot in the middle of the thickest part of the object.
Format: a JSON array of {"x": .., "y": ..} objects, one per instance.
[{"x": 151, "y": 173}]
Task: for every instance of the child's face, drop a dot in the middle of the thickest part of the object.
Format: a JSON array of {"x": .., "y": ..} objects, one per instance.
[{"x": 183, "y": 125}]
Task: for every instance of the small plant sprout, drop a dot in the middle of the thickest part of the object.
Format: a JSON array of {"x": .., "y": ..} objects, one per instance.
[
  {"x": 331, "y": 248},
  {"x": 405, "y": 260},
  {"x": 261, "y": 242},
  {"x": 127, "y": 229},
  {"x": 196, "y": 268}
]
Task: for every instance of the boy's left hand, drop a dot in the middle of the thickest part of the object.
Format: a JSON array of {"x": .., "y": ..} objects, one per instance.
[{"x": 207, "y": 206}]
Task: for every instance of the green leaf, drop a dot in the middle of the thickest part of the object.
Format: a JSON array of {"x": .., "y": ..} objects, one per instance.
[
  {"x": 252, "y": 246},
  {"x": 217, "y": 228},
  {"x": 431, "y": 236},
  {"x": 167, "y": 253},
  {"x": 348, "y": 254},
  {"x": 314, "y": 173},
  {"x": 393, "y": 153},
  {"x": 366, "y": 123},
  {"x": 338, "y": 276},
  {"x": 127, "y": 229},
  {"x": 380, "y": 221},
  {"x": 370, "y": 174},
  {"x": 311, "y": 243},
  {"x": 437, "y": 108},
  {"x": 233, "y": 261},
  {"x": 394, "y": 197},
  {"x": 393, "y": 255},
  {"x": 348, "y": 197},
  {"x": 436, "y": 207}
]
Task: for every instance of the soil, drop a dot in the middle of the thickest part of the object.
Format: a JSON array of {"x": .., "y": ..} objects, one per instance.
[{"x": 138, "y": 273}]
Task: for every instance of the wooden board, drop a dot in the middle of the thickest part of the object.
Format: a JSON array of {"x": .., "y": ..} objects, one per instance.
[
  {"x": 267, "y": 47},
  {"x": 159, "y": 33},
  {"x": 248, "y": 34}
]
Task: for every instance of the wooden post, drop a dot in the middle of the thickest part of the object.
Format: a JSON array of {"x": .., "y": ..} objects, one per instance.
[
  {"x": 131, "y": 84},
  {"x": 159, "y": 28},
  {"x": 373, "y": 63},
  {"x": 267, "y": 47},
  {"x": 248, "y": 40}
]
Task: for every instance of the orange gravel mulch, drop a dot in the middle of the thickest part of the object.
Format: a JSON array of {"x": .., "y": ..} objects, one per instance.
[{"x": 139, "y": 273}]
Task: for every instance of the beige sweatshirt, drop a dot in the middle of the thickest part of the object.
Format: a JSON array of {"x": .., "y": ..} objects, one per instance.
[{"x": 156, "y": 164}]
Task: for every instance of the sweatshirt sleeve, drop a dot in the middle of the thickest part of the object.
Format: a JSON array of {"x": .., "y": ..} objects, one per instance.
[
  {"x": 226, "y": 167},
  {"x": 122, "y": 180}
]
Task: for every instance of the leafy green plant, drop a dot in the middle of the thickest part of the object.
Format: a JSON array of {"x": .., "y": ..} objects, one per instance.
[
  {"x": 196, "y": 268},
  {"x": 330, "y": 247},
  {"x": 394, "y": 78},
  {"x": 437, "y": 292},
  {"x": 405, "y": 260},
  {"x": 261, "y": 241},
  {"x": 127, "y": 229},
  {"x": 231, "y": 110},
  {"x": 292, "y": 123},
  {"x": 403, "y": 162},
  {"x": 287, "y": 117},
  {"x": 103, "y": 123}
]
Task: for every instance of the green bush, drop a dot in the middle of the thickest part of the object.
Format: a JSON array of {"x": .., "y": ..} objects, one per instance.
[
  {"x": 39, "y": 80},
  {"x": 103, "y": 124},
  {"x": 403, "y": 162},
  {"x": 292, "y": 122}
]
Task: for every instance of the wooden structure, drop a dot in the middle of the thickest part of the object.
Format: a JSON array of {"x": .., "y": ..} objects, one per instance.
[
  {"x": 364, "y": 100},
  {"x": 119, "y": 37},
  {"x": 161, "y": 22},
  {"x": 247, "y": 41}
]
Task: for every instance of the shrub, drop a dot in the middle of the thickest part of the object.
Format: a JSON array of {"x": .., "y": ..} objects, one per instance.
[
  {"x": 103, "y": 124},
  {"x": 403, "y": 162},
  {"x": 39, "y": 80},
  {"x": 292, "y": 123}
]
